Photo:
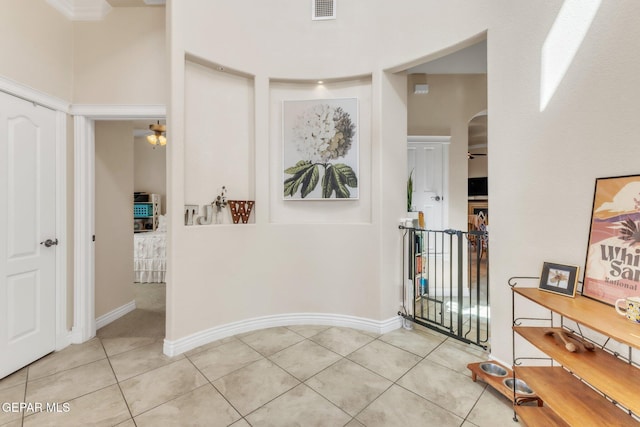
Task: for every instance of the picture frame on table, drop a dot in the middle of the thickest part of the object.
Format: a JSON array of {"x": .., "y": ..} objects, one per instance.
[
  {"x": 612, "y": 267},
  {"x": 559, "y": 279}
]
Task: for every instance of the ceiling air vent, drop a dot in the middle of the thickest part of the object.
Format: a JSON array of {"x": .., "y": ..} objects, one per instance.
[{"x": 323, "y": 9}]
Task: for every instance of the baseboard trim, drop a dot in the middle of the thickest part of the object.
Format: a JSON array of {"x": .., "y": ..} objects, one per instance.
[
  {"x": 179, "y": 346},
  {"x": 113, "y": 315}
]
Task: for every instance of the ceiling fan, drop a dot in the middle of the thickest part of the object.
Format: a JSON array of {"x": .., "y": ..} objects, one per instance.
[{"x": 471, "y": 156}]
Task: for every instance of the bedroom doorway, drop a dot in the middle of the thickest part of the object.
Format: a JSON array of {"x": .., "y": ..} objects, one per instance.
[
  {"x": 97, "y": 306},
  {"x": 129, "y": 274},
  {"x": 129, "y": 258}
]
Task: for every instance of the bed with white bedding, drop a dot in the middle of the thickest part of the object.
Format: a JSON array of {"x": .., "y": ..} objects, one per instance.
[{"x": 150, "y": 255}]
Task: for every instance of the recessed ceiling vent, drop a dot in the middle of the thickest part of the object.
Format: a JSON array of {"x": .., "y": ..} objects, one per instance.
[{"x": 323, "y": 9}]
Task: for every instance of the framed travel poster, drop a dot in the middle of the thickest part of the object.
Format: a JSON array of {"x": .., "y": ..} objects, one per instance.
[{"x": 612, "y": 268}]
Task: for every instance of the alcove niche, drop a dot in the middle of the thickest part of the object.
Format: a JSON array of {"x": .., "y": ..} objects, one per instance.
[
  {"x": 219, "y": 137},
  {"x": 330, "y": 211}
]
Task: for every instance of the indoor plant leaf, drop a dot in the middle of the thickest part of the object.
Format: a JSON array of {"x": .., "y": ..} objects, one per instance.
[{"x": 410, "y": 191}]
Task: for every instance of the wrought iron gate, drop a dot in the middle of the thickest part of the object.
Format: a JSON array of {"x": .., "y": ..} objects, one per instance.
[{"x": 447, "y": 282}]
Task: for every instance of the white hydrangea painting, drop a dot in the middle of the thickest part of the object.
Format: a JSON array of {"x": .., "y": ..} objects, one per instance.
[{"x": 320, "y": 149}]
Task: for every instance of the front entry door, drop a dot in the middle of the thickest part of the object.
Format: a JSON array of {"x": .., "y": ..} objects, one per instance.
[
  {"x": 27, "y": 221},
  {"x": 427, "y": 161}
]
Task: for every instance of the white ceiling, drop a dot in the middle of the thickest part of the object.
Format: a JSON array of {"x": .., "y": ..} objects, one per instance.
[{"x": 470, "y": 60}]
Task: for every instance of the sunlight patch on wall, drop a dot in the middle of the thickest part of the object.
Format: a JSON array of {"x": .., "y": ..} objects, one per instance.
[{"x": 562, "y": 43}]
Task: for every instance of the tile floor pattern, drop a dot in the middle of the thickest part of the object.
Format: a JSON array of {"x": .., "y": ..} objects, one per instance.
[{"x": 284, "y": 376}]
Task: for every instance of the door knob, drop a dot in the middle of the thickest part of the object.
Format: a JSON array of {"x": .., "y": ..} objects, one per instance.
[
  {"x": 436, "y": 198},
  {"x": 48, "y": 243}
]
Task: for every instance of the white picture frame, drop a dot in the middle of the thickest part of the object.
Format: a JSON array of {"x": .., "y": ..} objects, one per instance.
[{"x": 320, "y": 149}]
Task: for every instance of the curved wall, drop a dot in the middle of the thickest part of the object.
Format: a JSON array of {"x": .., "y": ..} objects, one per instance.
[
  {"x": 540, "y": 212},
  {"x": 339, "y": 258}
]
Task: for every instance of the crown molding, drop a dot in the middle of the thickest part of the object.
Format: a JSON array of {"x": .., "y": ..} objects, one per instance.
[{"x": 82, "y": 10}]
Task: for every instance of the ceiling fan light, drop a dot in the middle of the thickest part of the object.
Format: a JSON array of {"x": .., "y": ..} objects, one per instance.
[
  {"x": 157, "y": 137},
  {"x": 158, "y": 128}
]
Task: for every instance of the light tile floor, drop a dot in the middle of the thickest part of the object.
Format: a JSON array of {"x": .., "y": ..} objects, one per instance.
[{"x": 285, "y": 376}]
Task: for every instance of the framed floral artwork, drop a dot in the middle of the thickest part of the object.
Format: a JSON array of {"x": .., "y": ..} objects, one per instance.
[
  {"x": 320, "y": 149},
  {"x": 559, "y": 279},
  {"x": 612, "y": 268}
]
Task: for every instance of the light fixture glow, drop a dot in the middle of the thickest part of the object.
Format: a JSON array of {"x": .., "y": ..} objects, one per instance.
[
  {"x": 157, "y": 137},
  {"x": 320, "y": 82}
]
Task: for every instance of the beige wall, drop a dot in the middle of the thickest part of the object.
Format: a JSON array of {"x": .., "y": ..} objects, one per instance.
[
  {"x": 149, "y": 171},
  {"x": 114, "y": 215},
  {"x": 588, "y": 128},
  {"x": 452, "y": 101},
  {"x": 37, "y": 47},
  {"x": 121, "y": 59}
]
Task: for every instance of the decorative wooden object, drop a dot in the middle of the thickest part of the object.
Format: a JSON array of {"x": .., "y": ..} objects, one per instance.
[
  {"x": 240, "y": 210},
  {"x": 571, "y": 342},
  {"x": 497, "y": 382}
]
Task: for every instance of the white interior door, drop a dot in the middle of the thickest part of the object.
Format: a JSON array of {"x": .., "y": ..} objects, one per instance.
[
  {"x": 27, "y": 220},
  {"x": 427, "y": 161}
]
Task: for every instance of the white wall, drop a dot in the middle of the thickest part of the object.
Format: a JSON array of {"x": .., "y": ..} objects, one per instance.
[
  {"x": 219, "y": 136},
  {"x": 320, "y": 212},
  {"x": 310, "y": 257},
  {"x": 549, "y": 158},
  {"x": 552, "y": 157}
]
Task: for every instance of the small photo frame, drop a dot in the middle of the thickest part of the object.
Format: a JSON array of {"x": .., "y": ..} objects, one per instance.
[{"x": 560, "y": 279}]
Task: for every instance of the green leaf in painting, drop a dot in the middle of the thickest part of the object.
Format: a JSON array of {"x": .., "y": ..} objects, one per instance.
[
  {"x": 327, "y": 184},
  {"x": 348, "y": 175},
  {"x": 298, "y": 171},
  {"x": 291, "y": 186},
  {"x": 309, "y": 181},
  {"x": 301, "y": 166},
  {"x": 342, "y": 192}
]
